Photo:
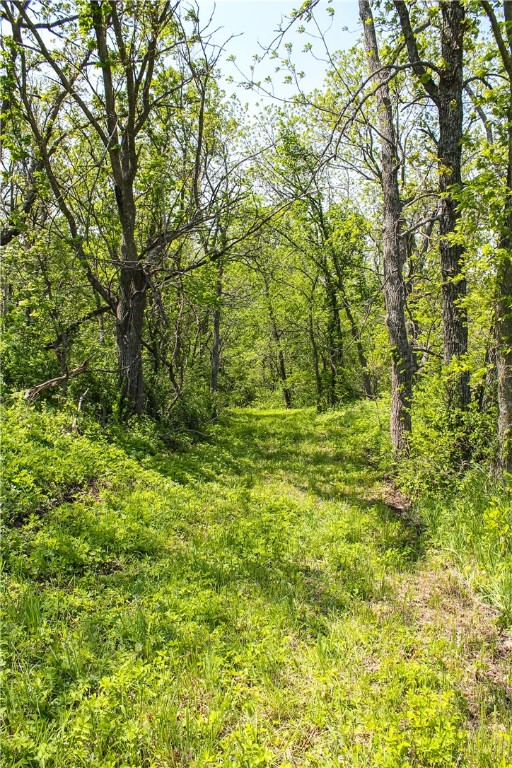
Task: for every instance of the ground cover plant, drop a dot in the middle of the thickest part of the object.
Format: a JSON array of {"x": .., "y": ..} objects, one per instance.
[
  {"x": 256, "y": 383},
  {"x": 257, "y": 598}
]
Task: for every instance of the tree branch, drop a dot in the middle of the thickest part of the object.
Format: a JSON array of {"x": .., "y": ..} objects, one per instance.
[
  {"x": 34, "y": 392},
  {"x": 412, "y": 50}
]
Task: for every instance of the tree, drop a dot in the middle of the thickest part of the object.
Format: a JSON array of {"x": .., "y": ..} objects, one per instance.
[
  {"x": 503, "y": 322},
  {"x": 323, "y": 227},
  {"x": 393, "y": 245},
  {"x": 112, "y": 66},
  {"x": 446, "y": 95}
]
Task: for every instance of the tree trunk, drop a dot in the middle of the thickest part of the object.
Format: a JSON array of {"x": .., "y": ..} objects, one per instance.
[
  {"x": 503, "y": 323},
  {"x": 316, "y": 366},
  {"x": 284, "y": 379},
  {"x": 335, "y": 337},
  {"x": 393, "y": 247},
  {"x": 132, "y": 295},
  {"x": 455, "y": 321},
  {"x": 216, "y": 332},
  {"x": 129, "y": 326},
  {"x": 123, "y": 156},
  {"x": 281, "y": 365},
  {"x": 367, "y": 382},
  {"x": 354, "y": 332},
  {"x": 447, "y": 97}
]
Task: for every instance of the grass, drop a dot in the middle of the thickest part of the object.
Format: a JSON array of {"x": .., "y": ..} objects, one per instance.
[
  {"x": 473, "y": 520},
  {"x": 250, "y": 601}
]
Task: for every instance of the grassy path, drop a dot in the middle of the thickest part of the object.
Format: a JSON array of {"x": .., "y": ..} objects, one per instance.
[{"x": 250, "y": 602}]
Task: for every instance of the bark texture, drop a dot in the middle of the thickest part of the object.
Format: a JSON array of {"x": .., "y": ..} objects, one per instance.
[
  {"x": 123, "y": 160},
  {"x": 447, "y": 97},
  {"x": 393, "y": 245},
  {"x": 335, "y": 338},
  {"x": 354, "y": 331},
  {"x": 504, "y": 352},
  {"x": 316, "y": 364},
  {"x": 281, "y": 363},
  {"x": 455, "y": 321},
  {"x": 503, "y": 322}
]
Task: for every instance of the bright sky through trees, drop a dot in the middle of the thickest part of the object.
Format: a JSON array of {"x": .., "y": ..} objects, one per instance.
[{"x": 253, "y": 26}]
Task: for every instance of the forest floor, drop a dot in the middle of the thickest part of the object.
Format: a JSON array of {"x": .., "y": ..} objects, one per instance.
[{"x": 261, "y": 599}]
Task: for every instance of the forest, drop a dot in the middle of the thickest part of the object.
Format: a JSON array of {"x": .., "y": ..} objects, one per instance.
[{"x": 256, "y": 387}]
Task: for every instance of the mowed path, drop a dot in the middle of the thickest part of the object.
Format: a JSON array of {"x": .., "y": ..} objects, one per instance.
[{"x": 276, "y": 611}]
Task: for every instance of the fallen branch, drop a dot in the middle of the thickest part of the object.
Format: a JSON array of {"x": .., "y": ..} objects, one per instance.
[{"x": 34, "y": 392}]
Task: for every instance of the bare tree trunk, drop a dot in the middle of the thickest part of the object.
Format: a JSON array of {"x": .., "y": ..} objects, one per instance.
[
  {"x": 216, "y": 332},
  {"x": 131, "y": 304},
  {"x": 34, "y": 392},
  {"x": 281, "y": 364},
  {"x": 129, "y": 327},
  {"x": 503, "y": 322},
  {"x": 455, "y": 320},
  {"x": 393, "y": 247},
  {"x": 447, "y": 97}
]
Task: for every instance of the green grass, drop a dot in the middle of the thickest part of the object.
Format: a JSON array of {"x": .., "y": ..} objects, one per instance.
[
  {"x": 244, "y": 602},
  {"x": 473, "y": 521}
]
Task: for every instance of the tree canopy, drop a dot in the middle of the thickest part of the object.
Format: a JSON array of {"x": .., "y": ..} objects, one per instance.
[{"x": 169, "y": 253}]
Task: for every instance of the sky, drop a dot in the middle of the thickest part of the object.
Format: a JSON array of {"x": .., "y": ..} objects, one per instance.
[{"x": 253, "y": 25}]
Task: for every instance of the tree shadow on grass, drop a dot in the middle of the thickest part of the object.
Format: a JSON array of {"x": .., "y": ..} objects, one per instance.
[
  {"x": 328, "y": 465},
  {"x": 259, "y": 444},
  {"x": 288, "y": 446}
]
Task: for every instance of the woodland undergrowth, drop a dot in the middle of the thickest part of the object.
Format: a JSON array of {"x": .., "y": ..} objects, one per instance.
[{"x": 253, "y": 599}]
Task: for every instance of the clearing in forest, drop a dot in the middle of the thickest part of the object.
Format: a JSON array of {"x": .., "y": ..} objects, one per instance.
[{"x": 251, "y": 601}]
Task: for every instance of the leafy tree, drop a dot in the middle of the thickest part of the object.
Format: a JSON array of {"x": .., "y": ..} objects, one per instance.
[{"x": 112, "y": 67}]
